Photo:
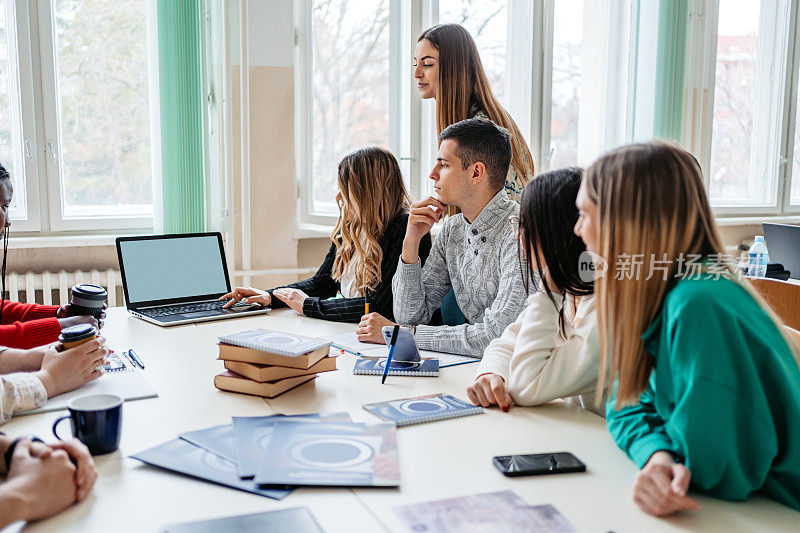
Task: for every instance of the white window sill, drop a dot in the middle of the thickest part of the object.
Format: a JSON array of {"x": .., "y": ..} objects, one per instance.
[
  {"x": 323, "y": 231},
  {"x": 751, "y": 220},
  {"x": 60, "y": 241}
]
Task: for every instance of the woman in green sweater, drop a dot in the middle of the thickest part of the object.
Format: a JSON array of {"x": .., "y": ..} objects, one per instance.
[{"x": 706, "y": 385}]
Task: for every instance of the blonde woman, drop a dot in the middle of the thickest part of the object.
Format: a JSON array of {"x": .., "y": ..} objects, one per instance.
[
  {"x": 707, "y": 388},
  {"x": 365, "y": 246},
  {"x": 448, "y": 68}
]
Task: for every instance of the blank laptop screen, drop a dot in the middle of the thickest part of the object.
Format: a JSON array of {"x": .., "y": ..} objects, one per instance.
[{"x": 161, "y": 269}]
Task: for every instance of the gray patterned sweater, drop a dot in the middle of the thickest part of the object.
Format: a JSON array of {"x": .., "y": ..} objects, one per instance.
[{"x": 480, "y": 262}]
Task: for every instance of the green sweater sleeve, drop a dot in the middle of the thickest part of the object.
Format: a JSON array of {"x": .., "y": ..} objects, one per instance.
[
  {"x": 638, "y": 429},
  {"x": 711, "y": 410}
]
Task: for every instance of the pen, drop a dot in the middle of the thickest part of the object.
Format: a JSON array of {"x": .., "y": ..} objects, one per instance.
[
  {"x": 135, "y": 358},
  {"x": 366, "y": 301},
  {"x": 343, "y": 349},
  {"x": 129, "y": 358},
  {"x": 395, "y": 331}
]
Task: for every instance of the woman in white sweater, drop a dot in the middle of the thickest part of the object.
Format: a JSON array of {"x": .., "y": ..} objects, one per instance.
[{"x": 551, "y": 351}]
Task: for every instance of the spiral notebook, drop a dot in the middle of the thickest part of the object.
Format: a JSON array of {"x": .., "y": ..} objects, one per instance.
[
  {"x": 120, "y": 378},
  {"x": 373, "y": 366},
  {"x": 276, "y": 342},
  {"x": 422, "y": 409}
]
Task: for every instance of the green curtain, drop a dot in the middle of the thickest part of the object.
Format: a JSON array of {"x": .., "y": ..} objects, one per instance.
[
  {"x": 673, "y": 19},
  {"x": 181, "y": 76}
]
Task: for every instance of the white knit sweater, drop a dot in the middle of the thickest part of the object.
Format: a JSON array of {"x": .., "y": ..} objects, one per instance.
[{"x": 538, "y": 365}]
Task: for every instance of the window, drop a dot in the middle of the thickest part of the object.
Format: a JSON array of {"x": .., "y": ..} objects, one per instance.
[
  {"x": 350, "y": 88},
  {"x": 354, "y": 82},
  {"x": 750, "y": 124},
  {"x": 100, "y": 66},
  {"x": 565, "y": 82},
  {"x": 732, "y": 178},
  {"x": 78, "y": 146},
  {"x": 588, "y": 80},
  {"x": 487, "y": 22},
  {"x": 11, "y": 134},
  {"x": 795, "y": 190}
]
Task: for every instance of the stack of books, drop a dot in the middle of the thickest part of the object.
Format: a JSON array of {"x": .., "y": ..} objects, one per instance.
[{"x": 267, "y": 363}]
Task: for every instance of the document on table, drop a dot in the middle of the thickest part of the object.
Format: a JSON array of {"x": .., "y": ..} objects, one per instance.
[
  {"x": 495, "y": 511},
  {"x": 349, "y": 341},
  {"x": 125, "y": 381}
]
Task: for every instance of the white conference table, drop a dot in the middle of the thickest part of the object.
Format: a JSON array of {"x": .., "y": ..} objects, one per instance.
[{"x": 437, "y": 460}]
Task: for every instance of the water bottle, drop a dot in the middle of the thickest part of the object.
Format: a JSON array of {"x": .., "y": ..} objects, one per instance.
[{"x": 759, "y": 257}]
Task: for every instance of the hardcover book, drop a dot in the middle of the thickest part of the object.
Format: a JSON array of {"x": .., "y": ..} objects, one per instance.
[
  {"x": 228, "y": 381},
  {"x": 262, "y": 373}
]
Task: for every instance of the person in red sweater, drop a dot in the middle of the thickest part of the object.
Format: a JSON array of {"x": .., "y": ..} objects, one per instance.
[{"x": 28, "y": 325}]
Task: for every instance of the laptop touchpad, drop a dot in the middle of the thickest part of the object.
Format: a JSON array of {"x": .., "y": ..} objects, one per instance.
[{"x": 200, "y": 314}]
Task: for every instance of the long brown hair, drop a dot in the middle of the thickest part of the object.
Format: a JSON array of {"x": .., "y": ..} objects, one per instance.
[
  {"x": 651, "y": 204},
  {"x": 373, "y": 193},
  {"x": 462, "y": 82}
]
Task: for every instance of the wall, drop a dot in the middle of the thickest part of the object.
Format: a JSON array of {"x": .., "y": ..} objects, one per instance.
[{"x": 273, "y": 191}]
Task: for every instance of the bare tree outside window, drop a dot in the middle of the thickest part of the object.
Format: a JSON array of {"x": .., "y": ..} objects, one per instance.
[
  {"x": 487, "y": 22},
  {"x": 566, "y": 82},
  {"x": 734, "y": 99},
  {"x": 350, "y": 87},
  {"x": 10, "y": 128},
  {"x": 103, "y": 99}
]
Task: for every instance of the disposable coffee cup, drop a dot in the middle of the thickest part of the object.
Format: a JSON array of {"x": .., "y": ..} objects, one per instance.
[
  {"x": 76, "y": 335},
  {"x": 88, "y": 299}
]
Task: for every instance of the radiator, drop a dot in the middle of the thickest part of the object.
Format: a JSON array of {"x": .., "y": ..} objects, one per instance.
[{"x": 52, "y": 288}]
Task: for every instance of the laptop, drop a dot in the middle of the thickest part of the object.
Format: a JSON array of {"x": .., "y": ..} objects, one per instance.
[
  {"x": 177, "y": 279},
  {"x": 783, "y": 244}
]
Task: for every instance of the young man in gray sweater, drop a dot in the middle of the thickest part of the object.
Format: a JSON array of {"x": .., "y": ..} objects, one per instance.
[{"x": 475, "y": 252}]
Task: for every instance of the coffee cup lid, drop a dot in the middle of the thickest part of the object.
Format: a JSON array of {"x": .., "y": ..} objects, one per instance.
[
  {"x": 77, "y": 333},
  {"x": 88, "y": 291}
]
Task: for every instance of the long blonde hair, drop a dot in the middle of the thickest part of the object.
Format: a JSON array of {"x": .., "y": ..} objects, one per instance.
[
  {"x": 373, "y": 193},
  {"x": 652, "y": 205},
  {"x": 462, "y": 82}
]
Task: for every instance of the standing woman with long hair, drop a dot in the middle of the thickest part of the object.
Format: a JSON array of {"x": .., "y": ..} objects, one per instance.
[
  {"x": 706, "y": 384},
  {"x": 365, "y": 246},
  {"x": 448, "y": 68}
]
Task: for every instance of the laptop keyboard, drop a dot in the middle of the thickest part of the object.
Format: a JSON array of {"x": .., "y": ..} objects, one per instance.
[{"x": 183, "y": 308}]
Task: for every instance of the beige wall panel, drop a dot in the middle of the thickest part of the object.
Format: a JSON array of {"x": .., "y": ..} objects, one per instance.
[{"x": 56, "y": 259}]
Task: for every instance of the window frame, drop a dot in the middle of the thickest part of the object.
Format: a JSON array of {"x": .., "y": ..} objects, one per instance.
[
  {"x": 701, "y": 60},
  {"x": 412, "y": 130},
  {"x": 51, "y": 139},
  {"x": 37, "y": 88},
  {"x": 790, "y": 110},
  {"x": 22, "y": 56}
]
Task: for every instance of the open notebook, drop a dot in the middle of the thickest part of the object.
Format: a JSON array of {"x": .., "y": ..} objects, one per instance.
[
  {"x": 120, "y": 379},
  {"x": 350, "y": 344}
]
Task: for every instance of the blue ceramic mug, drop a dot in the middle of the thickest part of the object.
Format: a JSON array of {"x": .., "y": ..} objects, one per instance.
[{"x": 96, "y": 421}]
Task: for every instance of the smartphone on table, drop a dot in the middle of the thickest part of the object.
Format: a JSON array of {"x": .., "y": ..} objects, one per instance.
[{"x": 536, "y": 464}]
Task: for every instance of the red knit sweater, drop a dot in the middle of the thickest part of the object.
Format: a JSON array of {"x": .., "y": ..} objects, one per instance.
[{"x": 28, "y": 325}]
